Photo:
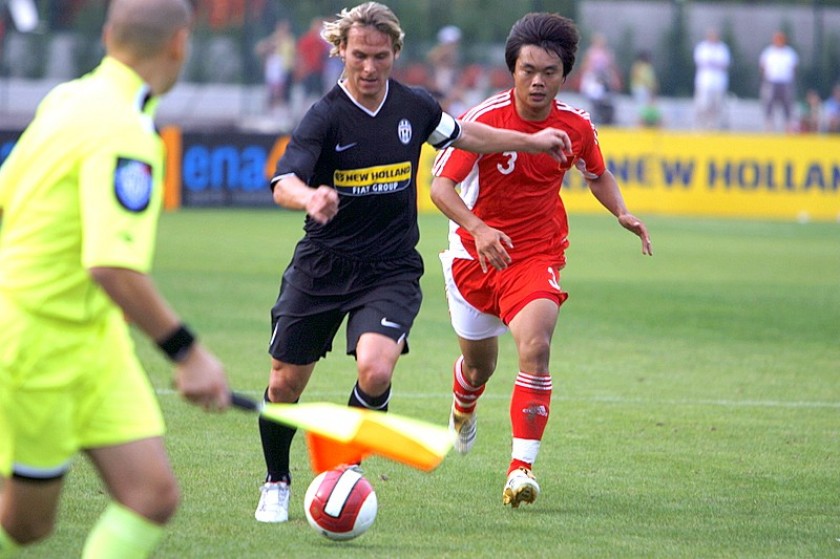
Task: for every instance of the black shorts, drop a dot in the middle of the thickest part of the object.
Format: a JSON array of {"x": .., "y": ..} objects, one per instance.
[{"x": 320, "y": 288}]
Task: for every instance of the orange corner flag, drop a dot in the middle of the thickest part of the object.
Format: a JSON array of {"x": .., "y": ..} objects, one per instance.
[{"x": 345, "y": 435}]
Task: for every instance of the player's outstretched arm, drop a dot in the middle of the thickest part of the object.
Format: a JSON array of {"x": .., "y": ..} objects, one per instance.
[
  {"x": 606, "y": 191},
  {"x": 199, "y": 376},
  {"x": 481, "y": 138}
]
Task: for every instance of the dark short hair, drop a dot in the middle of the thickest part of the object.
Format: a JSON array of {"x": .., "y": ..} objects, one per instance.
[{"x": 552, "y": 32}]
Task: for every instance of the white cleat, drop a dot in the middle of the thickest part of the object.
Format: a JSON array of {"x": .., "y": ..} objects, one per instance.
[
  {"x": 274, "y": 502},
  {"x": 521, "y": 487},
  {"x": 462, "y": 427}
]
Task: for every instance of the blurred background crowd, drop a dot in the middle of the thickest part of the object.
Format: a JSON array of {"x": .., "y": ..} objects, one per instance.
[{"x": 680, "y": 64}]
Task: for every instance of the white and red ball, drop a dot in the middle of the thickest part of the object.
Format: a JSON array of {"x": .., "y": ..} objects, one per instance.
[{"x": 340, "y": 503}]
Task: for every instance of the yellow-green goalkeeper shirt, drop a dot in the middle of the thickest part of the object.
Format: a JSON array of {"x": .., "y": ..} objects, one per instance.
[{"x": 82, "y": 188}]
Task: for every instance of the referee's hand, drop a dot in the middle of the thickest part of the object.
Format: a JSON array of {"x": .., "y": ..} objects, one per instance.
[{"x": 200, "y": 379}]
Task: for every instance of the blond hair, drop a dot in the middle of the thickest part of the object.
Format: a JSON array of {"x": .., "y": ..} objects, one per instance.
[{"x": 371, "y": 14}]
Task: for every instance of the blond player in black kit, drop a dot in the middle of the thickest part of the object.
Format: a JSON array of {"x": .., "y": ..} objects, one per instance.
[{"x": 351, "y": 165}]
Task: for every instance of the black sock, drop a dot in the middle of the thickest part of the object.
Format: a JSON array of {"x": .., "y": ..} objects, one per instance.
[
  {"x": 358, "y": 399},
  {"x": 276, "y": 444}
]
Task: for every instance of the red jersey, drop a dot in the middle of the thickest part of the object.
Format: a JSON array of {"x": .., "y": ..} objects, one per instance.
[{"x": 519, "y": 193}]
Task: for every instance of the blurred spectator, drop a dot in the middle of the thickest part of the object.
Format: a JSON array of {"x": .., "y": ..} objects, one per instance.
[
  {"x": 415, "y": 74},
  {"x": 445, "y": 60},
  {"x": 222, "y": 14},
  {"x": 711, "y": 81},
  {"x": 644, "y": 86},
  {"x": 600, "y": 79},
  {"x": 832, "y": 111},
  {"x": 2, "y": 42},
  {"x": 499, "y": 79},
  {"x": 778, "y": 62},
  {"x": 24, "y": 14},
  {"x": 470, "y": 88},
  {"x": 333, "y": 69},
  {"x": 312, "y": 53},
  {"x": 277, "y": 52},
  {"x": 61, "y": 14},
  {"x": 810, "y": 114},
  {"x": 650, "y": 115}
]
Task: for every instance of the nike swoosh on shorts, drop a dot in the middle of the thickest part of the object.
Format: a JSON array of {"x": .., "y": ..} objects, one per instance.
[{"x": 388, "y": 324}]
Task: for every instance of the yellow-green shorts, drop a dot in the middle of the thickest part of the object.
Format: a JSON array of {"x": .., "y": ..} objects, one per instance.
[{"x": 66, "y": 387}]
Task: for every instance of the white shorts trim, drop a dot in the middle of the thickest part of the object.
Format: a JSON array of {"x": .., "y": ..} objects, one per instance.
[{"x": 467, "y": 321}]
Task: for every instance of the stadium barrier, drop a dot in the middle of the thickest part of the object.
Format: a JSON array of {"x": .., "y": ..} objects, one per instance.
[
  {"x": 720, "y": 174},
  {"x": 775, "y": 176}
]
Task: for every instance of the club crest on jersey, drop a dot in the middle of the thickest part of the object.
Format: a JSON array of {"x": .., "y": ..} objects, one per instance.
[
  {"x": 404, "y": 131},
  {"x": 133, "y": 184}
]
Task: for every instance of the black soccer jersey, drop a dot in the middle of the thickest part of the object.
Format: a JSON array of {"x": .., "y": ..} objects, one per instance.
[{"x": 371, "y": 160}]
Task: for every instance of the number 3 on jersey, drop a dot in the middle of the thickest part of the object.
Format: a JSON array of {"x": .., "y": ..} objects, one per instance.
[{"x": 511, "y": 163}]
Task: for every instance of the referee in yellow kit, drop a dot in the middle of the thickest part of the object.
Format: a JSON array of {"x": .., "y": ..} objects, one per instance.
[{"x": 80, "y": 196}]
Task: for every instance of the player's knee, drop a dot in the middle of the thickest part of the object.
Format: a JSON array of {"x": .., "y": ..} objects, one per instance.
[
  {"x": 158, "y": 501},
  {"x": 282, "y": 393},
  {"x": 534, "y": 354},
  {"x": 284, "y": 387},
  {"x": 30, "y": 530},
  {"x": 478, "y": 372},
  {"x": 170, "y": 500},
  {"x": 375, "y": 376},
  {"x": 166, "y": 504}
]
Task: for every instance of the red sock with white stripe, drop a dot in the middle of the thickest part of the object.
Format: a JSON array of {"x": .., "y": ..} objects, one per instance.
[
  {"x": 529, "y": 408},
  {"x": 466, "y": 395}
]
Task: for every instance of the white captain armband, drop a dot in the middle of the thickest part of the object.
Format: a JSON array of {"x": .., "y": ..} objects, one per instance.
[{"x": 448, "y": 130}]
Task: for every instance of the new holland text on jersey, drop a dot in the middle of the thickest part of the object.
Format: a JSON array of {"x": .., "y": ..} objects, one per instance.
[{"x": 382, "y": 179}]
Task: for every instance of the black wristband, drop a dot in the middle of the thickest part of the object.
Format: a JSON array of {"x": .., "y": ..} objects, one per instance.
[{"x": 178, "y": 343}]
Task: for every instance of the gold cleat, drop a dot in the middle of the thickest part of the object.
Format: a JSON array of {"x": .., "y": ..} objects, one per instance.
[{"x": 521, "y": 487}]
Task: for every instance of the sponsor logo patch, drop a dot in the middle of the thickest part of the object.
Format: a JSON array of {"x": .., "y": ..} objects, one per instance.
[
  {"x": 369, "y": 181},
  {"x": 133, "y": 184}
]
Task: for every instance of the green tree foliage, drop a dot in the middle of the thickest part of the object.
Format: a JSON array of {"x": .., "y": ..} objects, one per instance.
[
  {"x": 743, "y": 73},
  {"x": 678, "y": 77}
]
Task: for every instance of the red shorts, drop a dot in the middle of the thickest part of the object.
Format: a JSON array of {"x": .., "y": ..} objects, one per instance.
[{"x": 481, "y": 305}]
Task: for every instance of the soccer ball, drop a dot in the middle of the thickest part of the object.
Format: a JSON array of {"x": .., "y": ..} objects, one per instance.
[{"x": 340, "y": 503}]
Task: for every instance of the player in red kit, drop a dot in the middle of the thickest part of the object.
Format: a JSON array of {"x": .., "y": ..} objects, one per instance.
[{"x": 508, "y": 237}]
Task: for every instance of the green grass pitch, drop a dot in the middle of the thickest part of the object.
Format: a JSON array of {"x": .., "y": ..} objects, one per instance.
[{"x": 696, "y": 409}]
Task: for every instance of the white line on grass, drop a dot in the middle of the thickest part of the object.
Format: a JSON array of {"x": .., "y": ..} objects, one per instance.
[{"x": 315, "y": 395}]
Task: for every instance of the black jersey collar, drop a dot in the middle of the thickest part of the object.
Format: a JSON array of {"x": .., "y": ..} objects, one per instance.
[{"x": 353, "y": 99}]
